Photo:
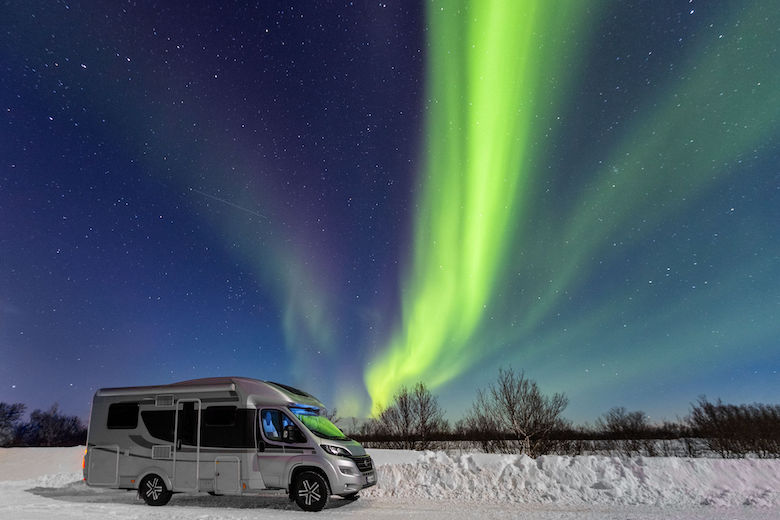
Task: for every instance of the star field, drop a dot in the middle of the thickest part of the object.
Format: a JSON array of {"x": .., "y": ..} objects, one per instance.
[{"x": 273, "y": 190}]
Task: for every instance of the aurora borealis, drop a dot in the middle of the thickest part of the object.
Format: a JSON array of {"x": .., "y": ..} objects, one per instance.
[
  {"x": 505, "y": 87},
  {"x": 490, "y": 82},
  {"x": 350, "y": 198}
]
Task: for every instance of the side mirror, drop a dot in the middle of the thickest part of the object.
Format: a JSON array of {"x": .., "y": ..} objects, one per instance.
[
  {"x": 260, "y": 445},
  {"x": 291, "y": 434}
]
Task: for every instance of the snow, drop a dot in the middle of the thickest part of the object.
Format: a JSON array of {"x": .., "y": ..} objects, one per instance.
[
  {"x": 658, "y": 481},
  {"x": 45, "y": 483}
]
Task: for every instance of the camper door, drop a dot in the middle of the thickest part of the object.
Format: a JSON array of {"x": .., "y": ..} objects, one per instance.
[{"x": 186, "y": 445}]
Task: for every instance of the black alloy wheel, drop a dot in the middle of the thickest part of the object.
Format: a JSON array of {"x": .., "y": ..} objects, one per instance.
[
  {"x": 152, "y": 489},
  {"x": 311, "y": 491}
]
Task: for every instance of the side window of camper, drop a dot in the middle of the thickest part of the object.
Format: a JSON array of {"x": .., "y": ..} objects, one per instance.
[
  {"x": 159, "y": 423},
  {"x": 275, "y": 422},
  {"x": 227, "y": 427},
  {"x": 122, "y": 416},
  {"x": 219, "y": 416}
]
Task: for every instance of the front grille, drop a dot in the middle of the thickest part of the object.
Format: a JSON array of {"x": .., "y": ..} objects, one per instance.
[{"x": 364, "y": 463}]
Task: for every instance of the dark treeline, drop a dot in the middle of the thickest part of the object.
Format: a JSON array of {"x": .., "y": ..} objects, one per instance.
[
  {"x": 513, "y": 416},
  {"x": 44, "y": 428}
]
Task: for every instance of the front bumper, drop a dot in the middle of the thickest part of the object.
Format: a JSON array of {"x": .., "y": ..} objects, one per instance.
[
  {"x": 370, "y": 479},
  {"x": 353, "y": 475},
  {"x": 353, "y": 484}
]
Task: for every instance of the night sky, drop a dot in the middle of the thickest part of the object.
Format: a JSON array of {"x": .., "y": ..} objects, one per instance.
[{"x": 350, "y": 197}]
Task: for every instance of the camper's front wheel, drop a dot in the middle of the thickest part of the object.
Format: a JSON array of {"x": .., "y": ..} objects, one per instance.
[
  {"x": 153, "y": 490},
  {"x": 311, "y": 491}
]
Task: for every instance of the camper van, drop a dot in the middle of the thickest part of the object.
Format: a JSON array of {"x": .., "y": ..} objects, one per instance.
[{"x": 223, "y": 436}]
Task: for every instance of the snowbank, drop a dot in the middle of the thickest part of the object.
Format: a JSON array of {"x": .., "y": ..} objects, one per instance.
[
  {"x": 34, "y": 463},
  {"x": 657, "y": 481},
  {"x": 479, "y": 477}
]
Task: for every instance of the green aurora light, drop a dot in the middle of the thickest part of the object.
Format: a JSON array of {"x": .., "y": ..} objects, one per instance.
[
  {"x": 494, "y": 75},
  {"x": 685, "y": 144},
  {"x": 680, "y": 147},
  {"x": 489, "y": 106}
]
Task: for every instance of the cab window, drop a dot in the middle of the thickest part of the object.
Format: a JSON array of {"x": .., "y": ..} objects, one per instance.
[{"x": 278, "y": 427}]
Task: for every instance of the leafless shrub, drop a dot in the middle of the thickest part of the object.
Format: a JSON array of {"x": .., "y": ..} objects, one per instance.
[
  {"x": 691, "y": 447},
  {"x": 627, "y": 429},
  {"x": 512, "y": 416},
  {"x": 429, "y": 417},
  {"x": 10, "y": 422},
  {"x": 51, "y": 428},
  {"x": 412, "y": 421},
  {"x": 623, "y": 424},
  {"x": 736, "y": 431},
  {"x": 667, "y": 448},
  {"x": 514, "y": 409},
  {"x": 333, "y": 416},
  {"x": 352, "y": 429}
]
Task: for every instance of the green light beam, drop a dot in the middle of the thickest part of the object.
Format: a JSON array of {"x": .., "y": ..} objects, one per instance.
[
  {"x": 705, "y": 123},
  {"x": 495, "y": 70}
]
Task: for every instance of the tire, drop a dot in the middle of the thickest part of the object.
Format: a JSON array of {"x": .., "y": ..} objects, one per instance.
[
  {"x": 311, "y": 491},
  {"x": 152, "y": 489}
]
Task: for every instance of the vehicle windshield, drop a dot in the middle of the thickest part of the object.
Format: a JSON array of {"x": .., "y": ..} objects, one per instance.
[{"x": 318, "y": 424}]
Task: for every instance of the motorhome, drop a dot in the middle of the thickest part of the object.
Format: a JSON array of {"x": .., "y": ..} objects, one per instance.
[{"x": 224, "y": 436}]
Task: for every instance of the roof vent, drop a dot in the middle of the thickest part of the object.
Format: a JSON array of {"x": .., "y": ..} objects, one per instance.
[{"x": 163, "y": 400}]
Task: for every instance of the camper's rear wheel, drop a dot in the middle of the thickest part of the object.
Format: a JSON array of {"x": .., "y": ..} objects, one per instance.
[
  {"x": 152, "y": 489},
  {"x": 311, "y": 491}
]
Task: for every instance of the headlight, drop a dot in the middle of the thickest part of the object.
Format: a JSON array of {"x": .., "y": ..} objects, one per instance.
[{"x": 335, "y": 450}]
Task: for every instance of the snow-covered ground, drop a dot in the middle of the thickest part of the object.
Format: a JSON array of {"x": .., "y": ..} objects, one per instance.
[{"x": 45, "y": 483}]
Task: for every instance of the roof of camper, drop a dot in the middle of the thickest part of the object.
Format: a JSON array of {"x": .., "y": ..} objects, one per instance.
[{"x": 264, "y": 392}]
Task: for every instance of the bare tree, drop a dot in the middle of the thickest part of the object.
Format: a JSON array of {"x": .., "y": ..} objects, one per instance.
[
  {"x": 10, "y": 422},
  {"x": 483, "y": 425},
  {"x": 397, "y": 420},
  {"x": 353, "y": 426},
  {"x": 622, "y": 424},
  {"x": 737, "y": 430},
  {"x": 514, "y": 407},
  {"x": 370, "y": 428},
  {"x": 333, "y": 415},
  {"x": 428, "y": 415},
  {"x": 51, "y": 428},
  {"x": 627, "y": 429},
  {"x": 412, "y": 419}
]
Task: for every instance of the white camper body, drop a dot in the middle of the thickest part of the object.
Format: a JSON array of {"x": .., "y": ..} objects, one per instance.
[{"x": 226, "y": 436}]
